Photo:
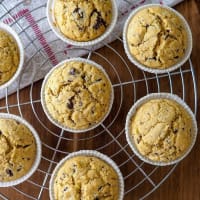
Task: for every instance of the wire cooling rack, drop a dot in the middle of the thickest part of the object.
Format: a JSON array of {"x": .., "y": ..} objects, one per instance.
[{"x": 129, "y": 84}]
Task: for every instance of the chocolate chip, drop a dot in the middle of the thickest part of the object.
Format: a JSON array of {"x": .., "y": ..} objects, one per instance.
[
  {"x": 99, "y": 188},
  {"x": 0, "y": 132},
  {"x": 72, "y": 71},
  {"x": 99, "y": 21},
  {"x": 65, "y": 189},
  {"x": 74, "y": 168},
  {"x": 83, "y": 76},
  {"x": 175, "y": 131},
  {"x": 176, "y": 57},
  {"x": 70, "y": 103},
  {"x": 9, "y": 172},
  {"x": 96, "y": 198},
  {"x": 79, "y": 12}
]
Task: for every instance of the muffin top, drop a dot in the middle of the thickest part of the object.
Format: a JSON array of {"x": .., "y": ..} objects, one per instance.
[
  {"x": 86, "y": 178},
  {"x": 82, "y": 20},
  {"x": 9, "y": 56},
  {"x": 161, "y": 130},
  {"x": 77, "y": 95},
  {"x": 18, "y": 150},
  {"x": 157, "y": 37}
]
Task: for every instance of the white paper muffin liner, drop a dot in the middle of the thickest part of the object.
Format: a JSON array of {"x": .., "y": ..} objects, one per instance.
[
  {"x": 145, "y": 99},
  {"x": 154, "y": 70},
  {"x": 15, "y": 36},
  {"x": 38, "y": 151},
  {"x": 56, "y": 30},
  {"x": 93, "y": 153},
  {"x": 54, "y": 121}
]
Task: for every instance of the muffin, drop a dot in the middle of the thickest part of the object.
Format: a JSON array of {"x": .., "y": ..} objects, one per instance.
[
  {"x": 82, "y": 20},
  {"x": 157, "y": 38},
  {"x": 9, "y": 56},
  {"x": 77, "y": 95},
  {"x": 86, "y": 175},
  {"x": 18, "y": 150},
  {"x": 161, "y": 129}
]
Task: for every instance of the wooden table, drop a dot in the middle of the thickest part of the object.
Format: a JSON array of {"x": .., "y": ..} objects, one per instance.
[{"x": 182, "y": 184}]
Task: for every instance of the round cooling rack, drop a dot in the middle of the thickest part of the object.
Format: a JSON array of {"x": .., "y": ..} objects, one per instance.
[{"x": 129, "y": 84}]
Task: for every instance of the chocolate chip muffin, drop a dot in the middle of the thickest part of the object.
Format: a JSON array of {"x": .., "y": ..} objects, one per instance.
[
  {"x": 86, "y": 178},
  {"x": 81, "y": 20},
  {"x": 77, "y": 95},
  {"x": 157, "y": 37},
  {"x": 18, "y": 150},
  {"x": 9, "y": 56},
  {"x": 161, "y": 130}
]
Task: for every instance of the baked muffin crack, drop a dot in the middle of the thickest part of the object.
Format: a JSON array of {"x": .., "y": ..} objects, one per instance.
[
  {"x": 82, "y": 20},
  {"x": 80, "y": 102},
  {"x": 93, "y": 179},
  {"x": 164, "y": 131},
  {"x": 18, "y": 150},
  {"x": 156, "y": 37}
]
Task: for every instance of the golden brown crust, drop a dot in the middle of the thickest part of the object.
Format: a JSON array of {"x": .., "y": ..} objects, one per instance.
[
  {"x": 9, "y": 56},
  {"x": 82, "y": 20},
  {"x": 18, "y": 150},
  {"x": 86, "y": 178},
  {"x": 157, "y": 37},
  {"x": 77, "y": 95},
  {"x": 161, "y": 130}
]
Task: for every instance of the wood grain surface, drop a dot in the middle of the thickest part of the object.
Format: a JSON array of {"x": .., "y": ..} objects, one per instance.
[{"x": 182, "y": 184}]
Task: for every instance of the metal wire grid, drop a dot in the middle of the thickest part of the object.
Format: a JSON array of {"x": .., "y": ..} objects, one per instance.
[{"x": 114, "y": 138}]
